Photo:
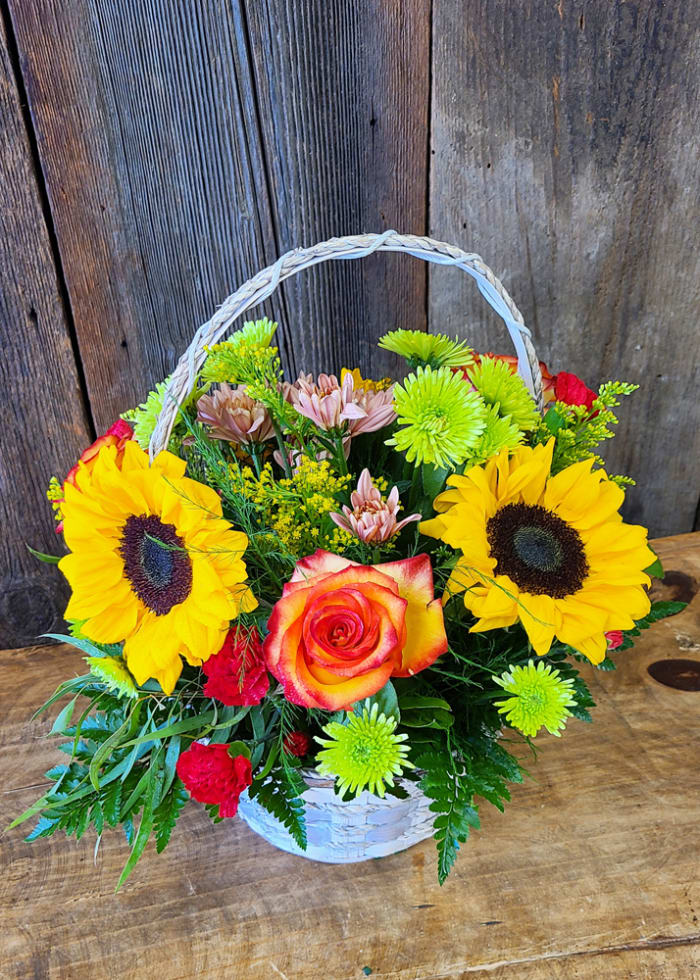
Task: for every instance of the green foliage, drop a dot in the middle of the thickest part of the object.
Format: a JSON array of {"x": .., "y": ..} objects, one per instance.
[
  {"x": 42, "y": 556},
  {"x": 659, "y": 610},
  {"x": 386, "y": 701},
  {"x": 442, "y": 783},
  {"x": 455, "y": 773},
  {"x": 578, "y": 430},
  {"x": 280, "y": 794},
  {"x": 122, "y": 749},
  {"x": 166, "y": 813}
]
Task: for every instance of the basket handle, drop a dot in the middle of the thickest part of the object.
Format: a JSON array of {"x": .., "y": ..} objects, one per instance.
[{"x": 262, "y": 285}]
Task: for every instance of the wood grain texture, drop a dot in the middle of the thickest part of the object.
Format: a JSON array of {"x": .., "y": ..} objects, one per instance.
[
  {"x": 149, "y": 145},
  {"x": 592, "y": 873},
  {"x": 176, "y": 169},
  {"x": 564, "y": 150},
  {"x": 343, "y": 96},
  {"x": 43, "y": 416}
]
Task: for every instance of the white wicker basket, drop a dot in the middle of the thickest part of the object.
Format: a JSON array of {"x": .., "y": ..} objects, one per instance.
[
  {"x": 367, "y": 827},
  {"x": 344, "y": 833}
]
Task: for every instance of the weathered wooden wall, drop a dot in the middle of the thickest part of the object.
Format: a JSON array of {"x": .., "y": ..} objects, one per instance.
[
  {"x": 565, "y": 144},
  {"x": 156, "y": 154},
  {"x": 44, "y": 422}
]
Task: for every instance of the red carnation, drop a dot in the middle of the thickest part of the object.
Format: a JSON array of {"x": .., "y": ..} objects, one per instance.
[
  {"x": 572, "y": 391},
  {"x": 237, "y": 674},
  {"x": 211, "y": 776},
  {"x": 297, "y": 743},
  {"x": 615, "y": 639}
]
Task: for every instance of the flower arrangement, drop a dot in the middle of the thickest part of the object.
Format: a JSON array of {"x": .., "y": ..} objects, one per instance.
[{"x": 386, "y": 581}]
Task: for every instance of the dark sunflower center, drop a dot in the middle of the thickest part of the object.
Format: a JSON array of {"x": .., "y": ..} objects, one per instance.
[
  {"x": 539, "y": 551},
  {"x": 156, "y": 564}
]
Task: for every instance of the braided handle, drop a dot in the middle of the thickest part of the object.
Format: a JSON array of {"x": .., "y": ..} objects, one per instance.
[{"x": 266, "y": 282}]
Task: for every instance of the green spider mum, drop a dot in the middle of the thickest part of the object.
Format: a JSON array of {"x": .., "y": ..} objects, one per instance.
[
  {"x": 500, "y": 433},
  {"x": 114, "y": 674},
  {"x": 499, "y": 386},
  {"x": 540, "y": 697},
  {"x": 431, "y": 349},
  {"x": 443, "y": 418},
  {"x": 224, "y": 360},
  {"x": 143, "y": 418},
  {"x": 364, "y": 754}
]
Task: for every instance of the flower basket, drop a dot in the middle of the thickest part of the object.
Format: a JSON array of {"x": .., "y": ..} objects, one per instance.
[
  {"x": 335, "y": 606},
  {"x": 344, "y": 832}
]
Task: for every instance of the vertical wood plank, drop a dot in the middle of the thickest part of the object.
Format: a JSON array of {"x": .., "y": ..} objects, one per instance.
[
  {"x": 148, "y": 140},
  {"x": 565, "y": 141},
  {"x": 343, "y": 96},
  {"x": 43, "y": 416},
  {"x": 166, "y": 195}
]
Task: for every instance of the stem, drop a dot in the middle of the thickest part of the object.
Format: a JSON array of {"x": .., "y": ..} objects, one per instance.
[
  {"x": 342, "y": 461},
  {"x": 414, "y": 491},
  {"x": 252, "y": 450}
]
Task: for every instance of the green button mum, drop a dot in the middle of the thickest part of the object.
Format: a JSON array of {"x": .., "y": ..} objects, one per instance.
[
  {"x": 540, "y": 698},
  {"x": 363, "y": 754}
]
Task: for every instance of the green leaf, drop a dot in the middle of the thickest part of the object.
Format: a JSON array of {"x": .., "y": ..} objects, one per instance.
[
  {"x": 280, "y": 794},
  {"x": 451, "y": 800},
  {"x": 44, "y": 828},
  {"x": 165, "y": 816},
  {"x": 660, "y": 610},
  {"x": 429, "y": 718},
  {"x": 155, "y": 779},
  {"x": 97, "y": 817},
  {"x": 433, "y": 480},
  {"x": 63, "y": 718},
  {"x": 386, "y": 701},
  {"x": 49, "y": 559},
  {"x": 239, "y": 748},
  {"x": 57, "y": 772},
  {"x": 136, "y": 793},
  {"x": 229, "y": 718},
  {"x": 75, "y": 685},
  {"x": 554, "y": 420},
  {"x": 420, "y": 701},
  {"x": 656, "y": 569},
  {"x": 104, "y": 751},
  {"x": 177, "y": 728},
  {"x": 172, "y": 754},
  {"x": 80, "y": 644},
  {"x": 128, "y": 828},
  {"x": 111, "y": 798}
]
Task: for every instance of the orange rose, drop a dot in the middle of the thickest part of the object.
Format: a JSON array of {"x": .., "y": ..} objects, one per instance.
[
  {"x": 116, "y": 435},
  {"x": 341, "y": 630}
]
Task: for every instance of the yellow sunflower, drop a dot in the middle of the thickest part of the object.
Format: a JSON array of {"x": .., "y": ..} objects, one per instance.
[
  {"x": 551, "y": 551},
  {"x": 152, "y": 563}
]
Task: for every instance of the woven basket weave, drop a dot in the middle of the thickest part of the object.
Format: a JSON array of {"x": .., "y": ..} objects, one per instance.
[
  {"x": 344, "y": 833},
  {"x": 367, "y": 827}
]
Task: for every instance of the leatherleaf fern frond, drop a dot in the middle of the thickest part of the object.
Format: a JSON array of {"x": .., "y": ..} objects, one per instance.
[
  {"x": 280, "y": 794},
  {"x": 452, "y": 777}
]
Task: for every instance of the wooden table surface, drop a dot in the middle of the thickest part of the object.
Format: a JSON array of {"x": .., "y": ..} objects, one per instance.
[{"x": 592, "y": 872}]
